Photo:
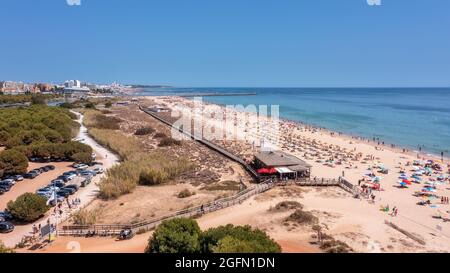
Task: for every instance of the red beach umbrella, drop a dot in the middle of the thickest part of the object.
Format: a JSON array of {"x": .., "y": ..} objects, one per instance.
[{"x": 407, "y": 182}]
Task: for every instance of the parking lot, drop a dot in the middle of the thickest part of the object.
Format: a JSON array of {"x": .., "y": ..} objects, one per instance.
[
  {"x": 32, "y": 185},
  {"x": 85, "y": 195}
]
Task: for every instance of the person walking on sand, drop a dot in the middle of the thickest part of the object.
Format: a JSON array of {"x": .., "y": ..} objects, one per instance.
[{"x": 393, "y": 211}]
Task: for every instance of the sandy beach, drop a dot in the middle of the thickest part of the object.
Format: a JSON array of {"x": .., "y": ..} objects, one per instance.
[{"x": 359, "y": 222}]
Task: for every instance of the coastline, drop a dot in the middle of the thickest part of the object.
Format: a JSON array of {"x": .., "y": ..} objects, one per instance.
[{"x": 398, "y": 148}]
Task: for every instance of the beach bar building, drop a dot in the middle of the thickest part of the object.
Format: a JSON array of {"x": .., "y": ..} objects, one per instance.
[{"x": 280, "y": 163}]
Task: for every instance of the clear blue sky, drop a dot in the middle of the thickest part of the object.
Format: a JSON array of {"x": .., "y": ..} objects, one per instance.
[{"x": 276, "y": 43}]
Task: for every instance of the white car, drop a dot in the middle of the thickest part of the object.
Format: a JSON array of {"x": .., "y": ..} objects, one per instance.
[
  {"x": 9, "y": 181},
  {"x": 82, "y": 167},
  {"x": 99, "y": 170}
]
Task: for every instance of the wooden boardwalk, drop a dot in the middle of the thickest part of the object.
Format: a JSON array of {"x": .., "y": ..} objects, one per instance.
[
  {"x": 109, "y": 230},
  {"x": 207, "y": 143}
]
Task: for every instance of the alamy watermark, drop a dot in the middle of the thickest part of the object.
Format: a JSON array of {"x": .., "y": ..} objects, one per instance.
[{"x": 259, "y": 124}]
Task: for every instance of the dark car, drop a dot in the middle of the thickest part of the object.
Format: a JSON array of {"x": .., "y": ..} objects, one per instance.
[
  {"x": 31, "y": 175},
  {"x": 2, "y": 191},
  {"x": 6, "y": 227},
  {"x": 6, "y": 215},
  {"x": 57, "y": 183},
  {"x": 50, "y": 167},
  {"x": 7, "y": 182},
  {"x": 70, "y": 191},
  {"x": 63, "y": 178},
  {"x": 64, "y": 194},
  {"x": 73, "y": 186},
  {"x": 37, "y": 170},
  {"x": 5, "y": 188}
]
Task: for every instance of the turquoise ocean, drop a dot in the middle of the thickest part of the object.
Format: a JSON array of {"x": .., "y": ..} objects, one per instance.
[{"x": 409, "y": 117}]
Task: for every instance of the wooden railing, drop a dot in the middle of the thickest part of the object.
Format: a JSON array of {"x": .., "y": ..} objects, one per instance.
[
  {"x": 207, "y": 143},
  {"x": 99, "y": 230},
  {"x": 109, "y": 230}
]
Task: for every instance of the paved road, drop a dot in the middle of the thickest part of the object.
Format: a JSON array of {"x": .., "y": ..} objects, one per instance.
[{"x": 86, "y": 195}]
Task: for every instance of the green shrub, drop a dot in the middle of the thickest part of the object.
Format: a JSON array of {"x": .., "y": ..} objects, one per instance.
[
  {"x": 84, "y": 158},
  {"x": 237, "y": 239},
  {"x": 4, "y": 249},
  {"x": 108, "y": 104},
  {"x": 11, "y": 99},
  {"x": 144, "y": 131},
  {"x": 33, "y": 128},
  {"x": 152, "y": 177},
  {"x": 160, "y": 135},
  {"x": 288, "y": 205},
  {"x": 89, "y": 105},
  {"x": 185, "y": 193},
  {"x": 38, "y": 100},
  {"x": 302, "y": 217},
  {"x": 28, "y": 207},
  {"x": 178, "y": 235},
  {"x": 168, "y": 141},
  {"x": 4, "y": 137},
  {"x": 95, "y": 119},
  {"x": 86, "y": 217},
  {"x": 13, "y": 162}
]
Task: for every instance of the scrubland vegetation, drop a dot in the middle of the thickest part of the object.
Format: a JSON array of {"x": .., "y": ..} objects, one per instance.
[
  {"x": 38, "y": 131},
  {"x": 12, "y": 99},
  {"x": 138, "y": 167},
  {"x": 183, "y": 235}
]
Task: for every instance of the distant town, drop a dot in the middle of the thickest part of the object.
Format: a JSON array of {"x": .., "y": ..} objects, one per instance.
[{"x": 73, "y": 87}]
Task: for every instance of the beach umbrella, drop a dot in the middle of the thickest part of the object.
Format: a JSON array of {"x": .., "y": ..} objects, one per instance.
[{"x": 407, "y": 182}]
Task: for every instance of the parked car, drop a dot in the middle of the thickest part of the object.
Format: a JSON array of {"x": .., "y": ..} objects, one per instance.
[
  {"x": 88, "y": 173},
  {"x": 11, "y": 182},
  {"x": 70, "y": 190},
  {"x": 6, "y": 227},
  {"x": 6, "y": 215},
  {"x": 62, "y": 193},
  {"x": 17, "y": 178},
  {"x": 5, "y": 188},
  {"x": 99, "y": 170},
  {"x": 31, "y": 175},
  {"x": 51, "y": 188},
  {"x": 82, "y": 167},
  {"x": 50, "y": 167},
  {"x": 2, "y": 191},
  {"x": 76, "y": 187},
  {"x": 37, "y": 170},
  {"x": 57, "y": 180},
  {"x": 70, "y": 173},
  {"x": 86, "y": 182},
  {"x": 46, "y": 195},
  {"x": 58, "y": 184},
  {"x": 63, "y": 178}
]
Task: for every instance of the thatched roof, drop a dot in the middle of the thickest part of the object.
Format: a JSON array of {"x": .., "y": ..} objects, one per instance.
[{"x": 281, "y": 159}]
